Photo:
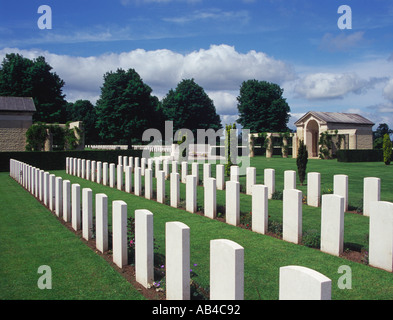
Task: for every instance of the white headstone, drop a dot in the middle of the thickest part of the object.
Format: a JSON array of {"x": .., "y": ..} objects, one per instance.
[
  {"x": 119, "y": 234},
  {"x": 371, "y": 192},
  {"x": 301, "y": 283},
  {"x": 332, "y": 224},
  {"x": 191, "y": 194},
  {"x": 177, "y": 261},
  {"x": 226, "y": 270},
  {"x": 381, "y": 235},
  {"x": 313, "y": 189},
  {"x": 102, "y": 222},
  {"x": 210, "y": 198},
  {"x": 270, "y": 181},
  {"x": 144, "y": 254},
  {"x": 292, "y": 215},
  {"x": 232, "y": 202},
  {"x": 259, "y": 208}
]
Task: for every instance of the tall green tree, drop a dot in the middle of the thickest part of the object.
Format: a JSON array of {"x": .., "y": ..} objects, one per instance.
[
  {"x": 188, "y": 106},
  {"x": 262, "y": 107},
  {"x": 22, "y": 77},
  {"x": 126, "y": 108},
  {"x": 379, "y": 134},
  {"x": 301, "y": 161},
  {"x": 387, "y": 149}
]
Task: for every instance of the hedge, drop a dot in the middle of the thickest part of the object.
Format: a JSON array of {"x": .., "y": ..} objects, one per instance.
[
  {"x": 55, "y": 160},
  {"x": 374, "y": 155}
]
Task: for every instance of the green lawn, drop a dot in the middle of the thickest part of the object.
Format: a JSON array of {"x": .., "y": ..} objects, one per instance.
[
  {"x": 264, "y": 255},
  {"x": 31, "y": 236}
]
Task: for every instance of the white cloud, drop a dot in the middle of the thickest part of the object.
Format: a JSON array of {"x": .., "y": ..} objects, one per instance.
[
  {"x": 388, "y": 90},
  {"x": 219, "y": 70},
  {"x": 332, "y": 85},
  {"x": 341, "y": 42}
]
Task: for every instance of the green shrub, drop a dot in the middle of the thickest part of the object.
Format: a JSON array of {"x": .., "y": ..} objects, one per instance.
[
  {"x": 387, "y": 149},
  {"x": 312, "y": 239}
]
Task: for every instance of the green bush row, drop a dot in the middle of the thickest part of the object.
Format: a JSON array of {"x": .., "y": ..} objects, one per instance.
[
  {"x": 373, "y": 155},
  {"x": 55, "y": 160}
]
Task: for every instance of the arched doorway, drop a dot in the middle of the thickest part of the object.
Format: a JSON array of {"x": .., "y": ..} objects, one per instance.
[{"x": 312, "y": 138}]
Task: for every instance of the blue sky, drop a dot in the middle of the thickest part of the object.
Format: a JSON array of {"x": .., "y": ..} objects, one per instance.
[{"x": 219, "y": 43}]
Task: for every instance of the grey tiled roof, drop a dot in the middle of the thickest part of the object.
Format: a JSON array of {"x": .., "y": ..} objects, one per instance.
[
  {"x": 337, "y": 117},
  {"x": 17, "y": 104}
]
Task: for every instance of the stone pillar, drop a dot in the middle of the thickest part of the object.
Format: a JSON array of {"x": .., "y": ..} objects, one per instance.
[
  {"x": 59, "y": 197},
  {"x": 137, "y": 181},
  {"x": 105, "y": 173},
  {"x": 76, "y": 206},
  {"x": 174, "y": 166},
  {"x": 99, "y": 172},
  {"x": 88, "y": 170},
  {"x": 289, "y": 179},
  {"x": 184, "y": 171},
  {"x": 128, "y": 179},
  {"x": 232, "y": 203},
  {"x": 195, "y": 170},
  {"x": 165, "y": 168},
  {"x": 87, "y": 213},
  {"x": 207, "y": 172},
  {"x": 175, "y": 189},
  {"x": 251, "y": 177},
  {"x": 177, "y": 261},
  {"x": 83, "y": 169},
  {"x": 220, "y": 176},
  {"x": 226, "y": 270},
  {"x": 144, "y": 254},
  {"x": 235, "y": 173},
  {"x": 148, "y": 184},
  {"x": 332, "y": 224},
  {"x": 93, "y": 174},
  {"x": 301, "y": 283},
  {"x": 46, "y": 188},
  {"x": 52, "y": 191},
  {"x": 259, "y": 208},
  {"x": 112, "y": 175},
  {"x": 67, "y": 200},
  {"x": 371, "y": 192},
  {"x": 270, "y": 181},
  {"x": 313, "y": 189},
  {"x": 102, "y": 222},
  {"x": 161, "y": 186},
  {"x": 381, "y": 235},
  {"x": 210, "y": 198},
  {"x": 119, "y": 179},
  {"x": 340, "y": 188},
  {"x": 292, "y": 215},
  {"x": 119, "y": 226},
  {"x": 191, "y": 194}
]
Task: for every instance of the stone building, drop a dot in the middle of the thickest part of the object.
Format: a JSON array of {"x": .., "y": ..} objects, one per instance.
[
  {"x": 16, "y": 116},
  {"x": 355, "y": 130}
]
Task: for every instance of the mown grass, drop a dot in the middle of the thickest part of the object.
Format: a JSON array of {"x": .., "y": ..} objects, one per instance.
[
  {"x": 264, "y": 255},
  {"x": 31, "y": 236}
]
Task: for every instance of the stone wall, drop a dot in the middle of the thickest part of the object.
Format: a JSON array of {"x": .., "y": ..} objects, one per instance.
[{"x": 12, "y": 139}]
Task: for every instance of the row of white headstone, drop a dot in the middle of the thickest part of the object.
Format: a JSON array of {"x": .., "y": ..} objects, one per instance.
[
  {"x": 226, "y": 256},
  {"x": 333, "y": 206}
]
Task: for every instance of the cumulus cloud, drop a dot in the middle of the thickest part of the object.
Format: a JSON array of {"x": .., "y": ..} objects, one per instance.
[
  {"x": 332, "y": 85},
  {"x": 388, "y": 90},
  {"x": 220, "y": 70}
]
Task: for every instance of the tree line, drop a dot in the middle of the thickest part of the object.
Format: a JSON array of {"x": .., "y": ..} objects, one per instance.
[{"x": 126, "y": 106}]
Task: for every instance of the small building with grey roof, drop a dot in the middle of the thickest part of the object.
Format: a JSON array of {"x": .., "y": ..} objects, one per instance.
[
  {"x": 16, "y": 116},
  {"x": 355, "y": 129}
]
